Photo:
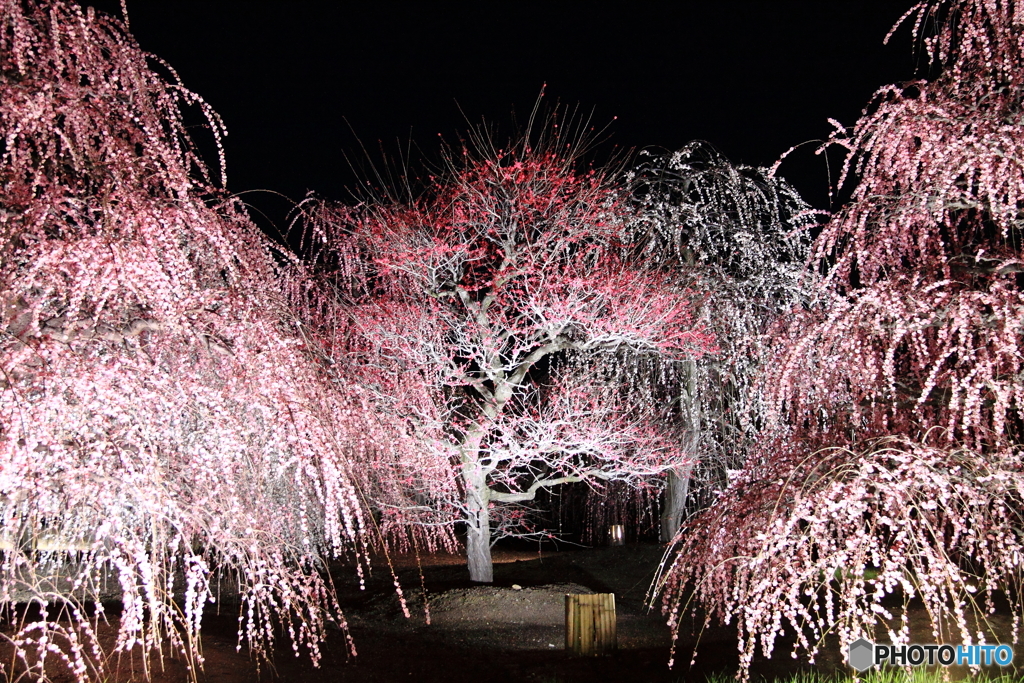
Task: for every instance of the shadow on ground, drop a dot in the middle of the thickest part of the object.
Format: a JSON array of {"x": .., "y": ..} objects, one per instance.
[{"x": 512, "y": 630}]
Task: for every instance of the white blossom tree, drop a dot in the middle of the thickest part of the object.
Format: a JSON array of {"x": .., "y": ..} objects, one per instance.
[{"x": 746, "y": 234}]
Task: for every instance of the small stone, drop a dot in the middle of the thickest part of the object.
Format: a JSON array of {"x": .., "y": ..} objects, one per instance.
[{"x": 516, "y": 587}]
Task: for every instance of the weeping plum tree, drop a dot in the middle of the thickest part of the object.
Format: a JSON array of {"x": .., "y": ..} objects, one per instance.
[
  {"x": 498, "y": 317},
  {"x": 898, "y": 405},
  {"x": 747, "y": 233},
  {"x": 160, "y": 421}
]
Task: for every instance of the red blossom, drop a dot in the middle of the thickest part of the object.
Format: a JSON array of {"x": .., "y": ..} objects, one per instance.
[{"x": 498, "y": 317}]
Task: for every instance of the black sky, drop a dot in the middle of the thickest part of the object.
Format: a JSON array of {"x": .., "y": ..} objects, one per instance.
[{"x": 294, "y": 79}]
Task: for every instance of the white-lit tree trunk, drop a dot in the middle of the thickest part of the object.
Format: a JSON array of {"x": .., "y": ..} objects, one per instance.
[
  {"x": 674, "y": 505},
  {"x": 478, "y": 519},
  {"x": 478, "y": 545},
  {"x": 678, "y": 486}
]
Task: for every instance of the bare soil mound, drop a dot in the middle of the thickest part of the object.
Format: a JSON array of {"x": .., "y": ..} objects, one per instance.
[
  {"x": 473, "y": 607},
  {"x": 486, "y": 617}
]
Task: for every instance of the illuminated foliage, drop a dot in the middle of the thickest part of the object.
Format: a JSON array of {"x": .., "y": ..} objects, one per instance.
[
  {"x": 498, "y": 317},
  {"x": 926, "y": 317},
  {"x": 746, "y": 234},
  {"x": 895, "y": 422},
  {"x": 161, "y": 424}
]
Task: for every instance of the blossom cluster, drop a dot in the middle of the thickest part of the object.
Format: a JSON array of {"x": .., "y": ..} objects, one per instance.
[
  {"x": 888, "y": 459},
  {"x": 163, "y": 426}
]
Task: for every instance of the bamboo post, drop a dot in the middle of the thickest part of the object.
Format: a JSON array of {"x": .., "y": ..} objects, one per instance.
[{"x": 590, "y": 624}]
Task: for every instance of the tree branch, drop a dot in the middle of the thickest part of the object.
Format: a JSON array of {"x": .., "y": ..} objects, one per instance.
[{"x": 531, "y": 492}]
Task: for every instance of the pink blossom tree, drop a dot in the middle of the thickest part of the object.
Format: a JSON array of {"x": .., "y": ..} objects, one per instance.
[
  {"x": 891, "y": 461},
  {"x": 498, "y": 318},
  {"x": 161, "y": 422}
]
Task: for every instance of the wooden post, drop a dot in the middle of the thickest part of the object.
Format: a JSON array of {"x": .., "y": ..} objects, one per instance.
[{"x": 590, "y": 624}]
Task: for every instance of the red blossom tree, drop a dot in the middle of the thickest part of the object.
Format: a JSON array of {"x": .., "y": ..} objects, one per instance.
[
  {"x": 893, "y": 444},
  {"x": 161, "y": 423},
  {"x": 498, "y": 318}
]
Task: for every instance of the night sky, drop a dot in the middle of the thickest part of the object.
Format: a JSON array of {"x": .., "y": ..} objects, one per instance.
[{"x": 305, "y": 86}]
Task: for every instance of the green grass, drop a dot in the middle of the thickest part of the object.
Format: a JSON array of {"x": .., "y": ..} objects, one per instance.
[{"x": 888, "y": 675}]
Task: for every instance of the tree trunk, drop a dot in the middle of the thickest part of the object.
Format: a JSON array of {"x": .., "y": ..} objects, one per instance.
[
  {"x": 675, "y": 502},
  {"x": 674, "y": 507},
  {"x": 478, "y": 547},
  {"x": 478, "y": 524}
]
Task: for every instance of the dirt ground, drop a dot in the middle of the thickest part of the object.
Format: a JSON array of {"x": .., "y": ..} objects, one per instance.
[{"x": 512, "y": 630}]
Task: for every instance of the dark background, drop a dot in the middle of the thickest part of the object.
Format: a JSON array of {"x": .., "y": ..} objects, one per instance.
[{"x": 304, "y": 87}]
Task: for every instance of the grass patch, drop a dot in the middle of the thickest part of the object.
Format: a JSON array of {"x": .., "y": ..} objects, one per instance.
[{"x": 887, "y": 675}]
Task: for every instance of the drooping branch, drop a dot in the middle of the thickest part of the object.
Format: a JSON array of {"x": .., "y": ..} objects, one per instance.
[
  {"x": 853, "y": 496},
  {"x": 161, "y": 421},
  {"x": 511, "y": 366}
]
